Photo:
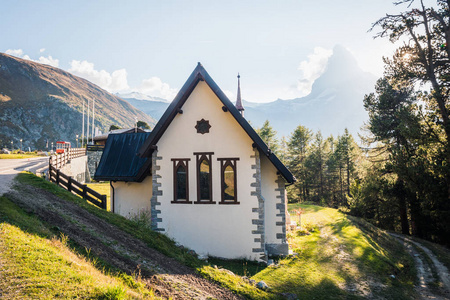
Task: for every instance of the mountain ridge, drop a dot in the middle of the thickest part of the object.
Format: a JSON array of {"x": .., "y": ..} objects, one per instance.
[
  {"x": 39, "y": 102},
  {"x": 334, "y": 103}
]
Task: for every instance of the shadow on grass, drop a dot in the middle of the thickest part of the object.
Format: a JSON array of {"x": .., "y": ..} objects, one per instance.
[
  {"x": 379, "y": 254},
  {"x": 238, "y": 266}
]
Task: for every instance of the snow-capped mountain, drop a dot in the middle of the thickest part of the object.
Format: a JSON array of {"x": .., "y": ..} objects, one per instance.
[
  {"x": 140, "y": 96},
  {"x": 335, "y": 101},
  {"x": 152, "y": 106}
]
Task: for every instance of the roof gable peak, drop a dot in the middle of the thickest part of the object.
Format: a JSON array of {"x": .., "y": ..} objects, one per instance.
[{"x": 200, "y": 74}]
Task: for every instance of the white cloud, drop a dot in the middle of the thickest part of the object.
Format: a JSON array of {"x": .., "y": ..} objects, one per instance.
[
  {"x": 230, "y": 95},
  {"x": 115, "y": 82},
  {"x": 15, "y": 52},
  {"x": 312, "y": 69},
  {"x": 49, "y": 60},
  {"x": 155, "y": 87},
  {"x": 112, "y": 82}
]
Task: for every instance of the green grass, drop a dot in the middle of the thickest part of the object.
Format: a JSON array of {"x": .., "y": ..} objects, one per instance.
[
  {"x": 19, "y": 156},
  {"x": 339, "y": 253},
  {"x": 104, "y": 189},
  {"x": 153, "y": 239},
  {"x": 34, "y": 263}
]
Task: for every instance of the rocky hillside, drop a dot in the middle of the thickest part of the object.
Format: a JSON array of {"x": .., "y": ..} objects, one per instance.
[{"x": 40, "y": 102}]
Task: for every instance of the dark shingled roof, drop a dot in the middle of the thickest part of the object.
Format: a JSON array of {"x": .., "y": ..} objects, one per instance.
[
  {"x": 120, "y": 161},
  {"x": 200, "y": 74}
]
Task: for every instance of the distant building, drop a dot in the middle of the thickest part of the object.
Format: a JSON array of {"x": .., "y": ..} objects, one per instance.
[
  {"x": 101, "y": 139},
  {"x": 205, "y": 176}
]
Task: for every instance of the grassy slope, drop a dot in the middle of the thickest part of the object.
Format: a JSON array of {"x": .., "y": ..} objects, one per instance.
[
  {"x": 340, "y": 253},
  {"x": 341, "y": 256},
  {"x": 34, "y": 263}
]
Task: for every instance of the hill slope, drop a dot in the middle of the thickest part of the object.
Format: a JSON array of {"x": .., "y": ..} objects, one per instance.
[
  {"x": 337, "y": 257},
  {"x": 40, "y": 102}
]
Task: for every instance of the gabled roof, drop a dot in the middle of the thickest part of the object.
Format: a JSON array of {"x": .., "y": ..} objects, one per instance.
[
  {"x": 200, "y": 74},
  {"x": 120, "y": 161}
]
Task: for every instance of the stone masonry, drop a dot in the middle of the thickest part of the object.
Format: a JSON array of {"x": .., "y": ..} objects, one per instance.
[
  {"x": 259, "y": 221},
  {"x": 281, "y": 248},
  {"x": 92, "y": 163},
  {"x": 156, "y": 191}
]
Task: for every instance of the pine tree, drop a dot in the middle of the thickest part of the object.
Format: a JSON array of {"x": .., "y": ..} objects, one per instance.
[
  {"x": 298, "y": 150},
  {"x": 268, "y": 135}
]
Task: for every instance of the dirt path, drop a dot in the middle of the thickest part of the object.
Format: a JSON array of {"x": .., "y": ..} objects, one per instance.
[
  {"x": 427, "y": 284},
  {"x": 166, "y": 276}
]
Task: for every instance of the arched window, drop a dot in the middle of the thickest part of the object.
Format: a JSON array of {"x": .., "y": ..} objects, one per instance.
[
  {"x": 204, "y": 178},
  {"x": 180, "y": 181},
  {"x": 229, "y": 184},
  {"x": 228, "y": 178},
  {"x": 181, "y": 184}
]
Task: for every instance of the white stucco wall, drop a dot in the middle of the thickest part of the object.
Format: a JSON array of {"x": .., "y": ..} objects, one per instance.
[
  {"x": 209, "y": 229},
  {"x": 130, "y": 198},
  {"x": 268, "y": 187},
  {"x": 75, "y": 166}
]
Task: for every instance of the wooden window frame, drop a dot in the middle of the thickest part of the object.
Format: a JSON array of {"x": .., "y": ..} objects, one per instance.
[
  {"x": 176, "y": 164},
  {"x": 224, "y": 162},
  {"x": 200, "y": 156}
]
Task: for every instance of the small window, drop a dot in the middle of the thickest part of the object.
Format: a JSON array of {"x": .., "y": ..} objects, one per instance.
[
  {"x": 204, "y": 177},
  {"x": 180, "y": 181},
  {"x": 228, "y": 179}
]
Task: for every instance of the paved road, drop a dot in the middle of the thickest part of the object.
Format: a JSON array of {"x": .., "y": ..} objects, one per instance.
[{"x": 9, "y": 168}]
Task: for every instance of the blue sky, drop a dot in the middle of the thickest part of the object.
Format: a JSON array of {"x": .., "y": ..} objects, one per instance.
[{"x": 278, "y": 47}]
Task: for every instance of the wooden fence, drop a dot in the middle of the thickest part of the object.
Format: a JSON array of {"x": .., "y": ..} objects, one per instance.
[
  {"x": 60, "y": 160},
  {"x": 70, "y": 184}
]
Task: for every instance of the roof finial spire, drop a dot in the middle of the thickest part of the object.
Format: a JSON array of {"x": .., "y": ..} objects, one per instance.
[{"x": 239, "y": 105}]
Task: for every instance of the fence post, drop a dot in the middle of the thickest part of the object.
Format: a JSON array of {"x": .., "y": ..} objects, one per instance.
[
  {"x": 57, "y": 177},
  {"x": 84, "y": 191},
  {"x": 104, "y": 204},
  {"x": 69, "y": 184}
]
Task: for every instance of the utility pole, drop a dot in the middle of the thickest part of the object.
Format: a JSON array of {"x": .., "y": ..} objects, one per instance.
[
  {"x": 82, "y": 129},
  {"x": 87, "y": 132},
  {"x": 93, "y": 117}
]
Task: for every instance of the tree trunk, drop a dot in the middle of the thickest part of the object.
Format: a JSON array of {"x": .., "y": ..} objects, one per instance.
[{"x": 403, "y": 209}]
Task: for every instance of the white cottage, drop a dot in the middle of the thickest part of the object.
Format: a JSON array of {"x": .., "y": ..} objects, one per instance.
[{"x": 204, "y": 174}]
